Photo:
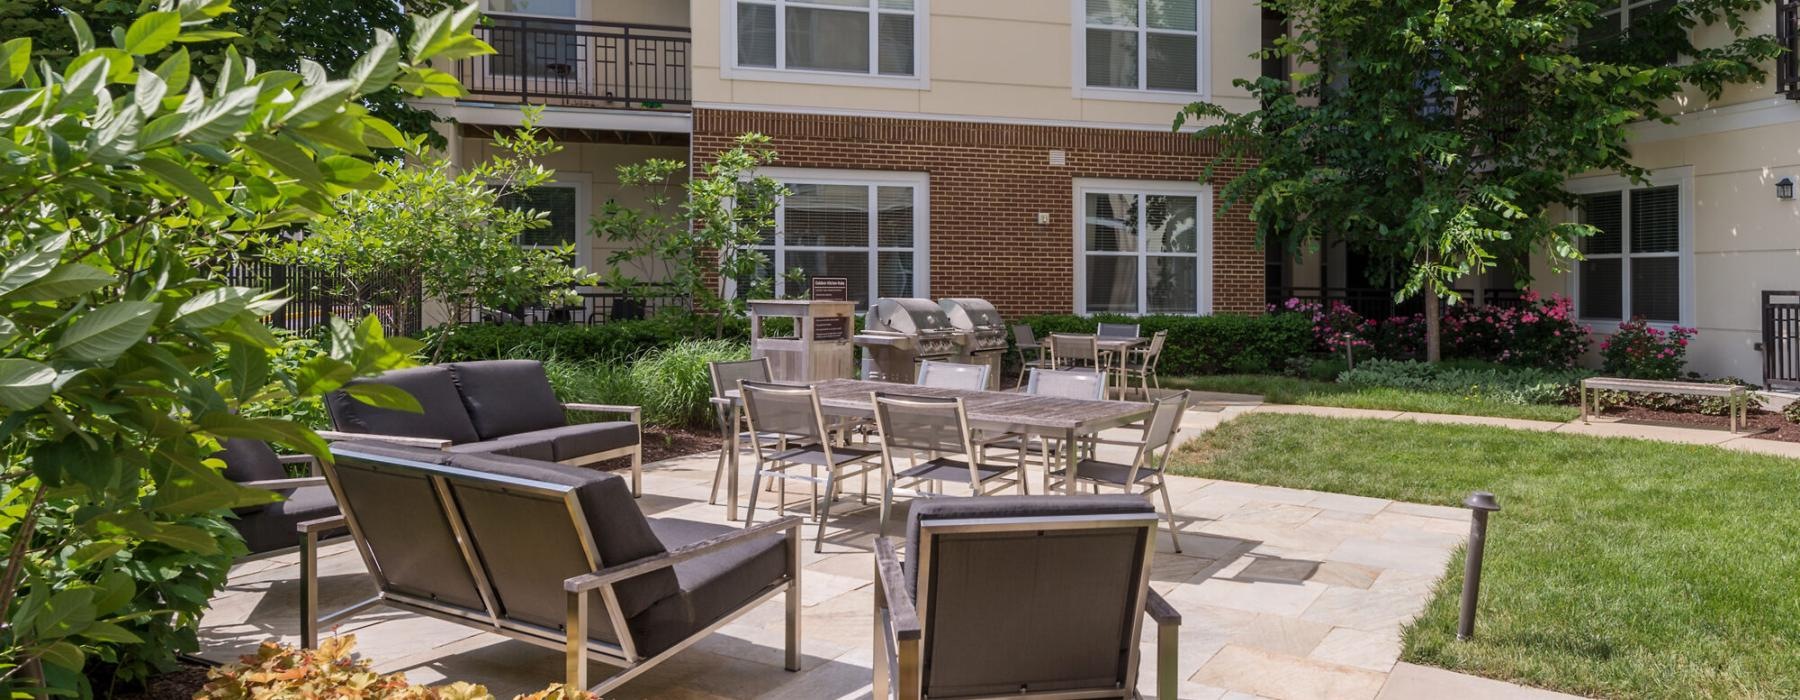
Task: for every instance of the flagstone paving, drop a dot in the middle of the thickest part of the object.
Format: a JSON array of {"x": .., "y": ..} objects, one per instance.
[{"x": 1284, "y": 593}]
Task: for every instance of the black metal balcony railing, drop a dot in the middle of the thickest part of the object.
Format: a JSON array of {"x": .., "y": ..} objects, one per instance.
[
  {"x": 579, "y": 63},
  {"x": 1370, "y": 302},
  {"x": 1787, "y": 32}
]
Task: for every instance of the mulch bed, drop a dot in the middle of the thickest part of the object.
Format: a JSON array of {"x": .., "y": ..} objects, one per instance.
[
  {"x": 1761, "y": 424},
  {"x": 180, "y": 684},
  {"x": 663, "y": 443}
]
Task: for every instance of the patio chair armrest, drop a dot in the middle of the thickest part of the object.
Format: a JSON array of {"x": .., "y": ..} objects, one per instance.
[
  {"x": 1161, "y": 612},
  {"x": 902, "y": 616},
  {"x": 407, "y": 440},
  {"x": 311, "y": 462},
  {"x": 1123, "y": 443},
  {"x": 636, "y": 412},
  {"x": 1168, "y": 645},
  {"x": 615, "y": 574},
  {"x": 320, "y": 525},
  {"x": 272, "y": 484}
]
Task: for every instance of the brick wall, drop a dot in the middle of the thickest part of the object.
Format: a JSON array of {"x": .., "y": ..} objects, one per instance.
[{"x": 989, "y": 182}]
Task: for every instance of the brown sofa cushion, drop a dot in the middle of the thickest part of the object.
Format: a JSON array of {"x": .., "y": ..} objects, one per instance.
[
  {"x": 444, "y": 418},
  {"x": 507, "y": 397}
]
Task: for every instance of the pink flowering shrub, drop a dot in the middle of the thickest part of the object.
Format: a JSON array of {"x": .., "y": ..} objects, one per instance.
[
  {"x": 1540, "y": 332},
  {"x": 1642, "y": 351}
]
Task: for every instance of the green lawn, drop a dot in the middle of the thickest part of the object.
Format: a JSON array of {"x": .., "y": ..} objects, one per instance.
[
  {"x": 1290, "y": 390},
  {"x": 1617, "y": 568}
]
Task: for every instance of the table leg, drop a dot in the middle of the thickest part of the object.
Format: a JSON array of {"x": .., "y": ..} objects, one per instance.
[
  {"x": 731, "y": 467},
  {"x": 1069, "y": 461}
]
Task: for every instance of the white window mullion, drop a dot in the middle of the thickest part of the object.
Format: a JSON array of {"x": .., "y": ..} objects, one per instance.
[
  {"x": 1143, "y": 250},
  {"x": 1143, "y": 45},
  {"x": 873, "y": 265},
  {"x": 780, "y": 35},
  {"x": 1625, "y": 226},
  {"x": 778, "y": 261}
]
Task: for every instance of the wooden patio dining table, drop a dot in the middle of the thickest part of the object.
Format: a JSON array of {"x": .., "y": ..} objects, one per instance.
[{"x": 995, "y": 411}]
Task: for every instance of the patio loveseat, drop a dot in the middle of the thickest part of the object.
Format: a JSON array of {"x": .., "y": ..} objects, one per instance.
[
  {"x": 547, "y": 554},
  {"x": 504, "y": 407}
]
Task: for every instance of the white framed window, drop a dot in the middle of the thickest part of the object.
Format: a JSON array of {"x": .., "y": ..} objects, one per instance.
[
  {"x": 1141, "y": 50},
  {"x": 878, "y": 43},
  {"x": 1640, "y": 260},
  {"x": 1617, "y": 16},
  {"x": 565, "y": 203},
  {"x": 872, "y": 228},
  {"x": 1143, "y": 247}
]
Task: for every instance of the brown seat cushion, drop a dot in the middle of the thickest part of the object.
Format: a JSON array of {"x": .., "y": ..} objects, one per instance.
[
  {"x": 444, "y": 418},
  {"x": 507, "y": 397},
  {"x": 271, "y": 527}
]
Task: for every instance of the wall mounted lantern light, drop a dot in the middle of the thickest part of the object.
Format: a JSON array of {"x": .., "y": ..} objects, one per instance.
[{"x": 1784, "y": 188}]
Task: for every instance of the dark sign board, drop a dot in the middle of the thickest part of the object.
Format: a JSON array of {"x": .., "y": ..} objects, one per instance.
[
  {"x": 831, "y": 289},
  {"x": 831, "y": 328}
]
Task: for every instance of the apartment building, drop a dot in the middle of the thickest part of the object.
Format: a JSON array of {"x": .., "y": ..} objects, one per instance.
[{"x": 1016, "y": 150}]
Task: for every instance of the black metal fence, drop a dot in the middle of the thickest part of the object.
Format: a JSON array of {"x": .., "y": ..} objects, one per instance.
[
  {"x": 599, "y": 307},
  {"x": 317, "y": 295},
  {"x": 580, "y": 63},
  {"x": 1781, "y": 339}
]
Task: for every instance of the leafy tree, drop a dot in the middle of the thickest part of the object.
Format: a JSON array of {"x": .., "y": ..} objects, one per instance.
[
  {"x": 274, "y": 33},
  {"x": 124, "y": 360},
  {"x": 447, "y": 232},
  {"x": 688, "y": 246},
  {"x": 1436, "y": 134}
]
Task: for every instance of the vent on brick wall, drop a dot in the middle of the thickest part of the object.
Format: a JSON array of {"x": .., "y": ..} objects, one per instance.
[{"x": 1059, "y": 157}]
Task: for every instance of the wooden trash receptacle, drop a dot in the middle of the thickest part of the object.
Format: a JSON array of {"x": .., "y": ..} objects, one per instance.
[{"x": 815, "y": 349}]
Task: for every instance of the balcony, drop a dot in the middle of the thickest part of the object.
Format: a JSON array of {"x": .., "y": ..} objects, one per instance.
[{"x": 580, "y": 63}]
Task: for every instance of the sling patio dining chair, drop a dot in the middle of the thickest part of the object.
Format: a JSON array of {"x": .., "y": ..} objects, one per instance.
[
  {"x": 1074, "y": 351},
  {"x": 936, "y": 430},
  {"x": 1026, "y": 341},
  {"x": 1118, "y": 331},
  {"x": 952, "y": 375},
  {"x": 1141, "y": 364},
  {"x": 1085, "y": 385},
  {"x": 725, "y": 376},
  {"x": 792, "y": 414},
  {"x": 1029, "y": 597},
  {"x": 1144, "y": 475}
]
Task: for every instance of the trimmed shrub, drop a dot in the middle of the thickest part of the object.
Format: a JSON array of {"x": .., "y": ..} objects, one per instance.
[
  {"x": 1204, "y": 344},
  {"x": 1514, "y": 385},
  {"x": 1791, "y": 412},
  {"x": 608, "y": 342},
  {"x": 1642, "y": 351},
  {"x": 1541, "y": 332}
]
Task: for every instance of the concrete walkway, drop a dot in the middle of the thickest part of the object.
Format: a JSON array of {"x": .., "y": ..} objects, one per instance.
[{"x": 1600, "y": 426}]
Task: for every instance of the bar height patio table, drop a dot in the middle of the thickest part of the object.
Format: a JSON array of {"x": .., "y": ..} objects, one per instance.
[{"x": 995, "y": 411}]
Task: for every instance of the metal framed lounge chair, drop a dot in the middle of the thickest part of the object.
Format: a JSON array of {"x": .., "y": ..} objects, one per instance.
[
  {"x": 792, "y": 414},
  {"x": 548, "y": 554},
  {"x": 1144, "y": 475},
  {"x": 952, "y": 375},
  {"x": 938, "y": 430},
  {"x": 270, "y": 527},
  {"x": 1021, "y": 597}
]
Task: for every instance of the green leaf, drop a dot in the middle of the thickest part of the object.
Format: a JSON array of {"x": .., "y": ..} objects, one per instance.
[
  {"x": 116, "y": 589},
  {"x": 195, "y": 37},
  {"x": 107, "y": 632},
  {"x": 287, "y": 158},
  {"x": 104, "y": 333},
  {"x": 67, "y": 608},
  {"x": 91, "y": 552},
  {"x": 174, "y": 69},
  {"x": 15, "y": 61},
  {"x": 149, "y": 92},
  {"x": 230, "y": 425},
  {"x": 203, "y": 491},
  {"x": 221, "y": 118},
  {"x": 25, "y": 384},
  {"x": 33, "y": 263},
  {"x": 212, "y": 307},
  {"x": 377, "y": 67},
  {"x": 84, "y": 37},
  {"x": 384, "y": 396},
  {"x": 151, "y": 33},
  {"x": 184, "y": 537},
  {"x": 430, "y": 82},
  {"x": 318, "y": 102},
  {"x": 63, "y": 654},
  {"x": 8, "y": 331},
  {"x": 64, "y": 282},
  {"x": 345, "y": 170},
  {"x": 180, "y": 179}
]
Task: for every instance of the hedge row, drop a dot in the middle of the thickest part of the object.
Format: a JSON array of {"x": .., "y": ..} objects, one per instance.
[
  {"x": 615, "y": 342},
  {"x": 1204, "y": 344}
]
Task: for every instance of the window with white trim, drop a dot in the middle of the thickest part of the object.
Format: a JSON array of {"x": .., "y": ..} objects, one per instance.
[
  {"x": 858, "y": 37},
  {"x": 1618, "y": 17},
  {"x": 561, "y": 204},
  {"x": 1144, "y": 249},
  {"x": 1634, "y": 260},
  {"x": 1141, "y": 45},
  {"x": 870, "y": 230}
]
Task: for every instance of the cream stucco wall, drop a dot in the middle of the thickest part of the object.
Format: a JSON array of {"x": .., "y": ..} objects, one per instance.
[{"x": 986, "y": 58}]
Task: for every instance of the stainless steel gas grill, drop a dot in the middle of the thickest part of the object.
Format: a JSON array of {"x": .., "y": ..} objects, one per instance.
[
  {"x": 897, "y": 333},
  {"x": 986, "y": 333}
]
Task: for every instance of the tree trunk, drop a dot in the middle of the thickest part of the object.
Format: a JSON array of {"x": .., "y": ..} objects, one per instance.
[{"x": 1433, "y": 348}]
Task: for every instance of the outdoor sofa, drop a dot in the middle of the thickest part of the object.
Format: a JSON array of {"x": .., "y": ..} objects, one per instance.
[
  {"x": 548, "y": 554},
  {"x": 270, "y": 527},
  {"x": 1021, "y": 597},
  {"x": 504, "y": 407}
]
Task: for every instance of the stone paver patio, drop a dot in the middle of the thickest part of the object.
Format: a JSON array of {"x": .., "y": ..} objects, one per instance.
[{"x": 1284, "y": 594}]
